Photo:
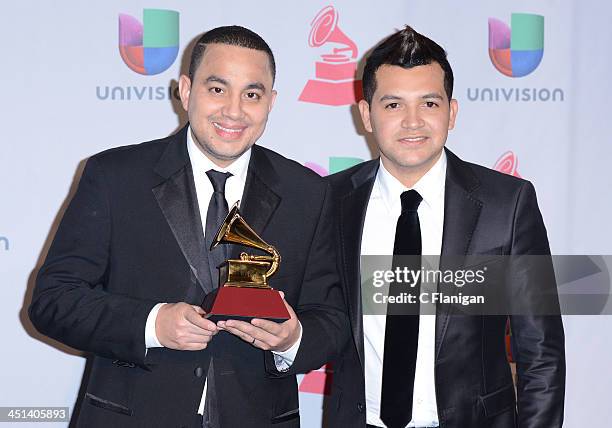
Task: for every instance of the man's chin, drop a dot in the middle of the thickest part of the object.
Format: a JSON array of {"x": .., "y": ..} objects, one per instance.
[
  {"x": 225, "y": 157},
  {"x": 418, "y": 162}
]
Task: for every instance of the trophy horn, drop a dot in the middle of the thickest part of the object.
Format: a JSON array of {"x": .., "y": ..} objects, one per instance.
[{"x": 235, "y": 230}]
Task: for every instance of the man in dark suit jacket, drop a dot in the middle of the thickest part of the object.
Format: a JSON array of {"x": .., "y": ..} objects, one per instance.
[
  {"x": 129, "y": 265},
  {"x": 451, "y": 369}
]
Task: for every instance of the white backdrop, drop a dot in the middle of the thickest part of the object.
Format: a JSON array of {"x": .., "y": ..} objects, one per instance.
[{"x": 61, "y": 63}]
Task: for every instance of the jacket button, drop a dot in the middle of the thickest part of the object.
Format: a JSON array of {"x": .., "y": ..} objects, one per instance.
[
  {"x": 199, "y": 371},
  {"x": 360, "y": 407}
]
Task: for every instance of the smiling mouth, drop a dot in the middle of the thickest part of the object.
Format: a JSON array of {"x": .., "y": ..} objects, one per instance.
[
  {"x": 413, "y": 139},
  {"x": 230, "y": 130},
  {"x": 228, "y": 133}
]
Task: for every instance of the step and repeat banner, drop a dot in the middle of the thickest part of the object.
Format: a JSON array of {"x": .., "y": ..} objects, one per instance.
[{"x": 81, "y": 77}]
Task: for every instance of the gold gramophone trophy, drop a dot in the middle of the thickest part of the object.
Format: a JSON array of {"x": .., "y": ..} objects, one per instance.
[{"x": 243, "y": 291}]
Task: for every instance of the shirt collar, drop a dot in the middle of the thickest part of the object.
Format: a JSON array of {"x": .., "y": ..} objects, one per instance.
[
  {"x": 200, "y": 163},
  {"x": 430, "y": 186}
]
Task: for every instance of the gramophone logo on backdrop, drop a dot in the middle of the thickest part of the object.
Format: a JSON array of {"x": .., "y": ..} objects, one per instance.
[
  {"x": 517, "y": 50},
  {"x": 508, "y": 164},
  {"x": 334, "y": 83},
  {"x": 151, "y": 47}
]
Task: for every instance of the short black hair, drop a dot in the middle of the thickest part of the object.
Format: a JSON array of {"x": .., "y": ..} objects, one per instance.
[
  {"x": 405, "y": 48},
  {"x": 230, "y": 35}
]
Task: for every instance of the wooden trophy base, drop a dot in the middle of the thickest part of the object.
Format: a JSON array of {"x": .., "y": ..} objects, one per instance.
[{"x": 245, "y": 303}]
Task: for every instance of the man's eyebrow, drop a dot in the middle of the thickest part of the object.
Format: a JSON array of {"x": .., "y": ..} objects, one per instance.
[
  {"x": 389, "y": 97},
  {"x": 256, "y": 85},
  {"x": 217, "y": 79},
  {"x": 434, "y": 95},
  {"x": 430, "y": 95}
]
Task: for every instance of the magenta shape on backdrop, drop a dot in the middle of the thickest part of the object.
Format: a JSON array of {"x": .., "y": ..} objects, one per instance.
[
  {"x": 130, "y": 31},
  {"x": 316, "y": 168},
  {"x": 499, "y": 34},
  {"x": 507, "y": 164}
]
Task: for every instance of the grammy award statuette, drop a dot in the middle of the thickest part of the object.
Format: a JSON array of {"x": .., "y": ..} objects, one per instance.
[{"x": 243, "y": 291}]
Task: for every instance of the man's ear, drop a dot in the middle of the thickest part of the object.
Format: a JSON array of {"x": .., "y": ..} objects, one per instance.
[
  {"x": 364, "y": 110},
  {"x": 454, "y": 108},
  {"x": 184, "y": 90},
  {"x": 272, "y": 99}
]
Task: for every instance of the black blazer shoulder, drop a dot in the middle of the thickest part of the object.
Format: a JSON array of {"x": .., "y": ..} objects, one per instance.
[
  {"x": 282, "y": 170},
  {"x": 167, "y": 155},
  {"x": 468, "y": 174},
  {"x": 144, "y": 153},
  {"x": 344, "y": 182},
  {"x": 473, "y": 175}
]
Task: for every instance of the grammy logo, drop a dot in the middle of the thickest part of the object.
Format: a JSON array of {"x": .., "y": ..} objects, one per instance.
[{"x": 334, "y": 82}]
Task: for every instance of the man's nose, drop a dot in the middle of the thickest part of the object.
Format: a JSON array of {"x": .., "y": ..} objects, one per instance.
[
  {"x": 412, "y": 118},
  {"x": 233, "y": 107}
]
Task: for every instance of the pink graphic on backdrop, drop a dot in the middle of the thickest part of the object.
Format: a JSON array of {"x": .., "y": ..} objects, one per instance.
[
  {"x": 336, "y": 164},
  {"x": 499, "y": 46},
  {"x": 316, "y": 168},
  {"x": 334, "y": 82},
  {"x": 508, "y": 164},
  {"x": 130, "y": 42},
  {"x": 318, "y": 381}
]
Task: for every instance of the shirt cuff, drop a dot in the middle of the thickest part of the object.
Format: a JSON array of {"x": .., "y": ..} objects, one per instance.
[
  {"x": 151, "y": 340},
  {"x": 284, "y": 360}
]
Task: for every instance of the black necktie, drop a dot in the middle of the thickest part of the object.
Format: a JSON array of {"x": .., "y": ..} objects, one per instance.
[
  {"x": 217, "y": 210},
  {"x": 401, "y": 330}
]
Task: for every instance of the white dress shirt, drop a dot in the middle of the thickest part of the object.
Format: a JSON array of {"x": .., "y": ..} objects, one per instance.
[
  {"x": 234, "y": 188},
  {"x": 384, "y": 208}
]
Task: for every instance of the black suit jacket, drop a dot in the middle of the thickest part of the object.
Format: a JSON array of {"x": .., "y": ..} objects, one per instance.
[
  {"x": 132, "y": 237},
  {"x": 485, "y": 212}
]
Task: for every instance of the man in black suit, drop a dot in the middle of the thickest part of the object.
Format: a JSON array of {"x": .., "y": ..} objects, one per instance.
[
  {"x": 447, "y": 369},
  {"x": 130, "y": 264}
]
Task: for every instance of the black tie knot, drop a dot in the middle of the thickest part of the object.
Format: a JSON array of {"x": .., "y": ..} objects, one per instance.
[
  {"x": 218, "y": 179},
  {"x": 410, "y": 200}
]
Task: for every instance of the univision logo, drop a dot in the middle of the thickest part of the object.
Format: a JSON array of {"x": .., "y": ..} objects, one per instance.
[
  {"x": 151, "y": 47},
  {"x": 517, "y": 50}
]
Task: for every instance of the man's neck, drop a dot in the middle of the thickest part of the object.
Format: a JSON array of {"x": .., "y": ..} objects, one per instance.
[
  {"x": 409, "y": 176},
  {"x": 221, "y": 163}
]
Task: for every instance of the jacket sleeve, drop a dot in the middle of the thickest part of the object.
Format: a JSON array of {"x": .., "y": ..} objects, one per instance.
[
  {"x": 320, "y": 308},
  {"x": 538, "y": 336},
  {"x": 70, "y": 302}
]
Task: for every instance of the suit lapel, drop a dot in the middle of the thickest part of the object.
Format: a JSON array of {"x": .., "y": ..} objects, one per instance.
[
  {"x": 259, "y": 201},
  {"x": 177, "y": 199},
  {"x": 353, "y": 206},
  {"x": 461, "y": 213}
]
